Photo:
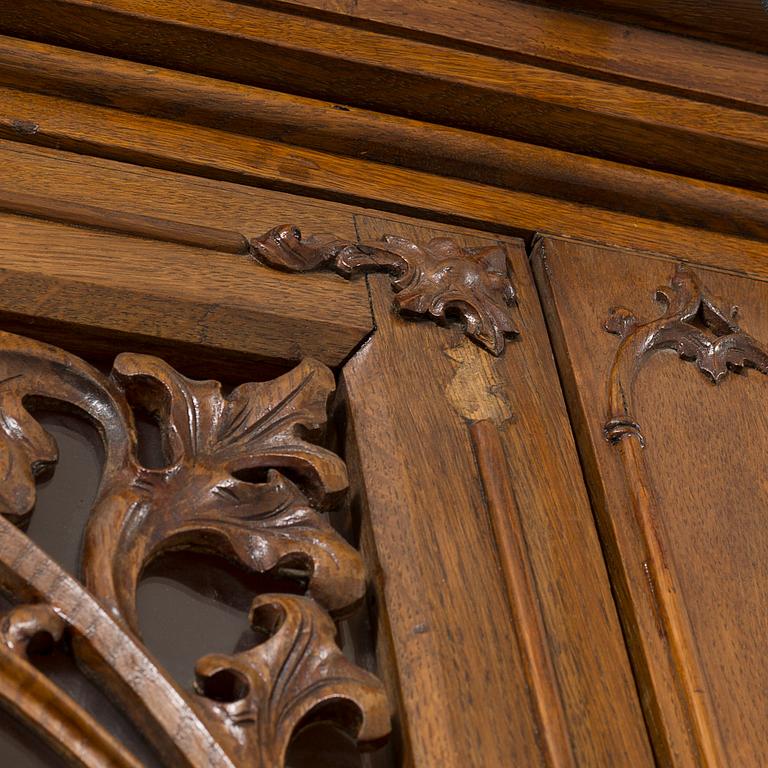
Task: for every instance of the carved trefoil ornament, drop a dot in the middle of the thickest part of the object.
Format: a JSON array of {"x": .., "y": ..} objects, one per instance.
[
  {"x": 695, "y": 325},
  {"x": 440, "y": 279},
  {"x": 245, "y": 707}
]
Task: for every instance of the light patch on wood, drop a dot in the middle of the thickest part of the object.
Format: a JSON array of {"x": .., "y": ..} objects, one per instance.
[{"x": 475, "y": 391}]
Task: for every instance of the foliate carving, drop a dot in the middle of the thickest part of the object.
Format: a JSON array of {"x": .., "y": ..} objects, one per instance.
[
  {"x": 440, "y": 279},
  {"x": 695, "y": 325},
  {"x": 296, "y": 670},
  {"x": 26, "y": 623},
  {"x": 242, "y": 478},
  {"x": 199, "y": 500}
]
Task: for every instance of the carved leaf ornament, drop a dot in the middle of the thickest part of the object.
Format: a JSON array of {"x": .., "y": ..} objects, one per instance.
[
  {"x": 439, "y": 279},
  {"x": 243, "y": 478},
  {"x": 693, "y": 324}
]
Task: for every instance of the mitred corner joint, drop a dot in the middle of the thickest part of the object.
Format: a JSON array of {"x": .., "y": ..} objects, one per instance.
[{"x": 440, "y": 279}]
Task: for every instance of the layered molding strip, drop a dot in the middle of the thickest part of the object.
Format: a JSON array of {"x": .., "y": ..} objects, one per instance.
[
  {"x": 494, "y": 95},
  {"x": 202, "y": 152},
  {"x": 357, "y": 133}
]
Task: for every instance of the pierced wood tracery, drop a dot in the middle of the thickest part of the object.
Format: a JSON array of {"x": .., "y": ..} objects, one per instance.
[
  {"x": 205, "y": 498},
  {"x": 439, "y": 279}
]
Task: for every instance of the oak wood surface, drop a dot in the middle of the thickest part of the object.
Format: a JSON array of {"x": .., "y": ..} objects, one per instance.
[
  {"x": 372, "y": 136},
  {"x": 572, "y": 41},
  {"x": 699, "y": 591},
  {"x": 149, "y": 141},
  {"x": 742, "y": 23},
  {"x": 462, "y": 89},
  {"x": 146, "y": 290},
  {"x": 411, "y": 446}
]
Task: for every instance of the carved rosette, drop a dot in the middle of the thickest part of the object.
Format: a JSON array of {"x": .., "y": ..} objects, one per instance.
[
  {"x": 440, "y": 279},
  {"x": 243, "y": 478},
  {"x": 694, "y": 325}
]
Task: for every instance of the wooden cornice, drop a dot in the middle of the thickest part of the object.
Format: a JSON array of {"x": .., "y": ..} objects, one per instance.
[
  {"x": 497, "y": 95},
  {"x": 354, "y": 133},
  {"x": 574, "y": 42}
]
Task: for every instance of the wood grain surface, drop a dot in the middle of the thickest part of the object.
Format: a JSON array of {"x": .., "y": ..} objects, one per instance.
[
  {"x": 735, "y": 22},
  {"x": 463, "y": 89},
  {"x": 144, "y": 290},
  {"x": 703, "y": 449},
  {"x": 371, "y": 136},
  {"x": 572, "y": 41},
  {"x": 412, "y": 393},
  {"x": 222, "y": 156}
]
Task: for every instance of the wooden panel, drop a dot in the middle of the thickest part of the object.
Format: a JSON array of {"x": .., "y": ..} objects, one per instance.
[
  {"x": 735, "y": 22},
  {"x": 454, "y": 87},
  {"x": 101, "y": 285},
  {"x": 371, "y": 136},
  {"x": 682, "y": 517},
  {"x": 220, "y": 155},
  {"x": 503, "y": 647},
  {"x": 576, "y": 42},
  {"x": 82, "y": 180}
]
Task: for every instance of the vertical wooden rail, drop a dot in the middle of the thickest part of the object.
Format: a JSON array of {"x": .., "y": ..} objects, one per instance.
[
  {"x": 522, "y": 664},
  {"x": 674, "y": 616},
  {"x": 516, "y": 566}
]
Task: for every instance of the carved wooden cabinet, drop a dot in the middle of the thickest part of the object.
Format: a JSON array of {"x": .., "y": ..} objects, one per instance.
[{"x": 379, "y": 388}]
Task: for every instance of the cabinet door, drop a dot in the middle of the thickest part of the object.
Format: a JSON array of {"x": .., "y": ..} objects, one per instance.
[
  {"x": 664, "y": 366},
  {"x": 438, "y": 493}
]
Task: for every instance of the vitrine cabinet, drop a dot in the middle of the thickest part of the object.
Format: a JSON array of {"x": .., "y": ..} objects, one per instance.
[{"x": 378, "y": 389}]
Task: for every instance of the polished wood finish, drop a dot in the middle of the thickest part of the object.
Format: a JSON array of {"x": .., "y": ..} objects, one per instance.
[
  {"x": 165, "y": 230},
  {"x": 222, "y": 156},
  {"x": 155, "y": 151},
  {"x": 35, "y": 699},
  {"x": 516, "y": 566},
  {"x": 679, "y": 512},
  {"x": 576, "y": 42},
  {"x": 137, "y": 290},
  {"x": 246, "y": 706},
  {"x": 735, "y": 22},
  {"x": 444, "y": 85},
  {"x": 439, "y": 279},
  {"x": 425, "y": 523},
  {"x": 389, "y": 139}
]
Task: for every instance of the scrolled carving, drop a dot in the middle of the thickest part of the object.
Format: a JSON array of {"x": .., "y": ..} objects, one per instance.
[
  {"x": 243, "y": 478},
  {"x": 198, "y": 499},
  {"x": 271, "y": 687},
  {"x": 24, "y": 624},
  {"x": 694, "y": 325},
  {"x": 439, "y": 279}
]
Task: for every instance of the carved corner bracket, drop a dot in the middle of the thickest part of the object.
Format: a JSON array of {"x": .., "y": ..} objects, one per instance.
[
  {"x": 695, "y": 325},
  {"x": 440, "y": 279}
]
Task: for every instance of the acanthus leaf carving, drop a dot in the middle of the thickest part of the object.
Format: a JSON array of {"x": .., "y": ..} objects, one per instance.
[
  {"x": 25, "y": 623},
  {"x": 270, "y": 688},
  {"x": 199, "y": 500},
  {"x": 693, "y": 324},
  {"x": 440, "y": 279},
  {"x": 243, "y": 478}
]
